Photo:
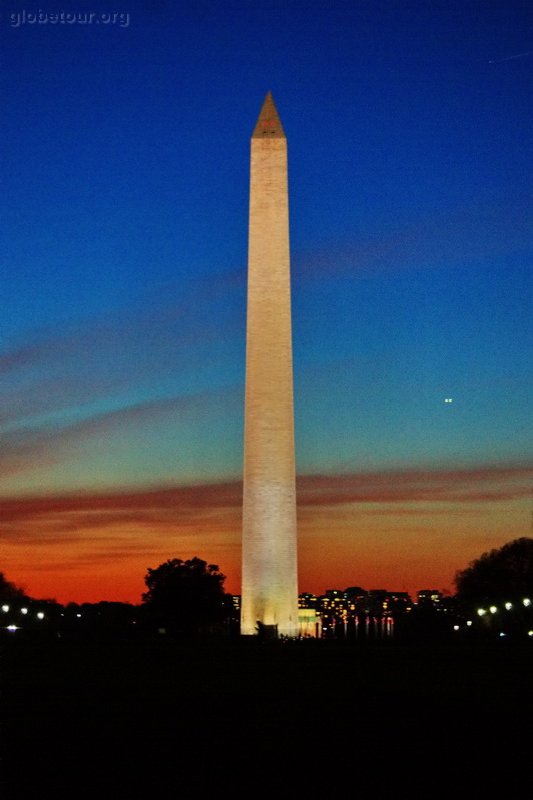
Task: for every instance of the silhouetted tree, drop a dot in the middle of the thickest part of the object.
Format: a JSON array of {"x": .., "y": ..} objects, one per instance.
[
  {"x": 501, "y": 574},
  {"x": 186, "y": 597},
  {"x": 8, "y": 590}
]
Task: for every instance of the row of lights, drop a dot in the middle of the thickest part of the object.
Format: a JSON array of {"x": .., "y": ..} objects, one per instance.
[
  {"x": 39, "y": 615},
  {"x": 508, "y": 606},
  {"x": 493, "y": 609},
  {"x": 23, "y": 610}
]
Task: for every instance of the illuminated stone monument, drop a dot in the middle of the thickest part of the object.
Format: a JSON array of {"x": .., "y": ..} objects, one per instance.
[{"x": 269, "y": 560}]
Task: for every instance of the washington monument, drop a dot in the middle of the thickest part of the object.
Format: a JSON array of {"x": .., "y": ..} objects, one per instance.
[{"x": 269, "y": 561}]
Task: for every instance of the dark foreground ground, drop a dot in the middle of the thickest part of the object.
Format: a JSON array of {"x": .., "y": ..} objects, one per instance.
[{"x": 238, "y": 718}]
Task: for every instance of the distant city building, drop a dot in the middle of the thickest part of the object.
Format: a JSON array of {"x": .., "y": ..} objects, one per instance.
[
  {"x": 355, "y": 593},
  {"x": 397, "y": 602},
  {"x": 309, "y": 623},
  {"x": 429, "y": 597},
  {"x": 307, "y": 600},
  {"x": 355, "y": 613}
]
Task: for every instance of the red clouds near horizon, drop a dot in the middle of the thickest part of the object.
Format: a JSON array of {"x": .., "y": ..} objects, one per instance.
[{"x": 397, "y": 529}]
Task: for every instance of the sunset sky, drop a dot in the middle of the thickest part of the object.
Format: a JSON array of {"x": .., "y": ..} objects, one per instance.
[{"x": 124, "y": 210}]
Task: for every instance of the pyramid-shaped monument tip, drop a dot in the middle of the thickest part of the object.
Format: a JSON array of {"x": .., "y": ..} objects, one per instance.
[{"x": 268, "y": 125}]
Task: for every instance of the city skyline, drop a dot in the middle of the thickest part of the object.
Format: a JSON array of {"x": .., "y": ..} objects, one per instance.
[{"x": 124, "y": 278}]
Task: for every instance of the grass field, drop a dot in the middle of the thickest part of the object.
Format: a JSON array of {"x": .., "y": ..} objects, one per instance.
[{"x": 174, "y": 719}]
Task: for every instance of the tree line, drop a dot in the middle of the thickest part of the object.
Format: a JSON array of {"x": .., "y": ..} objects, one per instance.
[{"x": 187, "y": 597}]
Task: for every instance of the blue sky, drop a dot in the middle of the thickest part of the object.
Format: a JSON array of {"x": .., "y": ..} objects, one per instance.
[{"x": 124, "y": 236}]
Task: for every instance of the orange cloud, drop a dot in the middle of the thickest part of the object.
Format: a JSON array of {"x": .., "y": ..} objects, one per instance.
[
  {"x": 394, "y": 529},
  {"x": 488, "y": 483}
]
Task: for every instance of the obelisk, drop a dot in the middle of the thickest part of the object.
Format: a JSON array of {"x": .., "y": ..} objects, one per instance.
[{"x": 269, "y": 559}]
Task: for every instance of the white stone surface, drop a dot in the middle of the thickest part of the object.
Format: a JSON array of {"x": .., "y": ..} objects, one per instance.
[{"x": 269, "y": 541}]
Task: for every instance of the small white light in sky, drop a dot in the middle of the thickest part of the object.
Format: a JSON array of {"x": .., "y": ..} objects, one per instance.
[{"x": 448, "y": 399}]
